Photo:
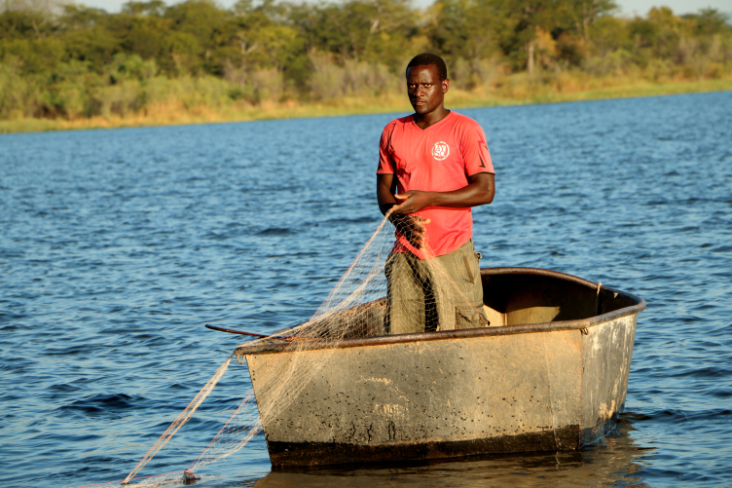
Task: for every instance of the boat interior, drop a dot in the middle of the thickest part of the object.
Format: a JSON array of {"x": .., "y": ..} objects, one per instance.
[
  {"x": 511, "y": 296},
  {"x": 527, "y": 296}
]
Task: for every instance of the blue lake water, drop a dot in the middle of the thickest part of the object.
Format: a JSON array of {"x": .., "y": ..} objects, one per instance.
[{"x": 116, "y": 246}]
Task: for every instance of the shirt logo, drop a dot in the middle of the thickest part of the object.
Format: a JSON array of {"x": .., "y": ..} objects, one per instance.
[{"x": 440, "y": 151}]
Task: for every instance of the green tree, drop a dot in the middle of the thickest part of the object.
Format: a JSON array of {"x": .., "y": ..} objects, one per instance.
[
  {"x": 467, "y": 29},
  {"x": 25, "y": 24},
  {"x": 153, "y": 8},
  {"x": 361, "y": 30}
]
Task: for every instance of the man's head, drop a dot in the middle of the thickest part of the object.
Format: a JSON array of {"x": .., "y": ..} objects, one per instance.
[
  {"x": 429, "y": 59},
  {"x": 427, "y": 83}
]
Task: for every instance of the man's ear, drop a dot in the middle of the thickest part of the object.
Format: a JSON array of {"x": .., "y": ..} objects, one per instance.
[{"x": 445, "y": 85}]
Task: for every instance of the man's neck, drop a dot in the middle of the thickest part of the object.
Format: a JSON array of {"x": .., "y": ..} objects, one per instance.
[{"x": 429, "y": 119}]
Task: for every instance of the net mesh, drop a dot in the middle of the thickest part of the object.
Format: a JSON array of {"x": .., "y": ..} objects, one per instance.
[{"x": 382, "y": 292}]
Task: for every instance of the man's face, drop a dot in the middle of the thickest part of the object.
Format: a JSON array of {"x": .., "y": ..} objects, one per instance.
[{"x": 426, "y": 91}]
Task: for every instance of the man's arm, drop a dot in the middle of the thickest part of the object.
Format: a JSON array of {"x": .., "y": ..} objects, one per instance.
[
  {"x": 385, "y": 189},
  {"x": 480, "y": 190}
]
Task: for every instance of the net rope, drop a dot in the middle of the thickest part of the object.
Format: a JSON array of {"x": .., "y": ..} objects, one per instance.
[{"x": 423, "y": 299}]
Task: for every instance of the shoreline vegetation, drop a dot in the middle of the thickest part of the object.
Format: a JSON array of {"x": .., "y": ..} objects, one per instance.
[
  {"x": 176, "y": 113},
  {"x": 67, "y": 66}
]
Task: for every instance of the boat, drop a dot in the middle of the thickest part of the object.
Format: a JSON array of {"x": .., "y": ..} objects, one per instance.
[{"x": 550, "y": 373}]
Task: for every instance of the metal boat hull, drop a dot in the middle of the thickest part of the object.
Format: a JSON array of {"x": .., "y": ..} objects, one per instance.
[{"x": 514, "y": 387}]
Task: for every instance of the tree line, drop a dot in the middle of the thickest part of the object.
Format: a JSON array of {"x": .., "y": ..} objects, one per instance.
[{"x": 75, "y": 61}]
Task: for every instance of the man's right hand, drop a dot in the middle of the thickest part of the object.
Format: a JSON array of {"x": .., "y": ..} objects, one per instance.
[{"x": 411, "y": 226}]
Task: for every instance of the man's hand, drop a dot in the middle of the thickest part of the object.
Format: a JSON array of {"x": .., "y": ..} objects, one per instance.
[
  {"x": 411, "y": 226},
  {"x": 412, "y": 201},
  {"x": 479, "y": 191}
]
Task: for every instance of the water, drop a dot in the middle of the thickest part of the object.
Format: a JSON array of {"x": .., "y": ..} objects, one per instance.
[{"x": 117, "y": 246}]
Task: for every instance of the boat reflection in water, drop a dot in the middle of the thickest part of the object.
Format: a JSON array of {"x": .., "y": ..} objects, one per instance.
[{"x": 613, "y": 461}]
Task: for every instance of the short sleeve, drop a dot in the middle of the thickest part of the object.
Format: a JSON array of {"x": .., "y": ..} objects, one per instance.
[
  {"x": 475, "y": 152},
  {"x": 386, "y": 163}
]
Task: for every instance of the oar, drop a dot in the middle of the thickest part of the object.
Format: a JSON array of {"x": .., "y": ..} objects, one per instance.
[{"x": 253, "y": 334}]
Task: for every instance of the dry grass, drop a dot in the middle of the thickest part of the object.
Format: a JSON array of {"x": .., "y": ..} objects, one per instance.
[{"x": 509, "y": 90}]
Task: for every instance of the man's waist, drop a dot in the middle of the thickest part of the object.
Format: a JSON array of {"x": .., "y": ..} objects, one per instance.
[{"x": 441, "y": 236}]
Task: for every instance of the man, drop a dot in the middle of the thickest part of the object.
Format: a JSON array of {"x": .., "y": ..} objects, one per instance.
[{"x": 434, "y": 166}]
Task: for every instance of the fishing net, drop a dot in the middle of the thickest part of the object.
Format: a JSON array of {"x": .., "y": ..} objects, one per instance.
[{"x": 424, "y": 294}]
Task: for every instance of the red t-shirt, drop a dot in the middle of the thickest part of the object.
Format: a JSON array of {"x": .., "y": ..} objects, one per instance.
[{"x": 438, "y": 158}]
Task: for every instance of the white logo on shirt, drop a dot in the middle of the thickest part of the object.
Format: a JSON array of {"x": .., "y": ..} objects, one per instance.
[{"x": 440, "y": 151}]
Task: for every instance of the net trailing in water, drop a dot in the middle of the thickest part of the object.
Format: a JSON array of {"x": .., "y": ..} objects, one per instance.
[{"x": 423, "y": 297}]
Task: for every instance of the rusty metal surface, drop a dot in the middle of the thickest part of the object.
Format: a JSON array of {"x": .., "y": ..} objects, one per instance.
[
  {"x": 405, "y": 397},
  {"x": 606, "y": 355}
]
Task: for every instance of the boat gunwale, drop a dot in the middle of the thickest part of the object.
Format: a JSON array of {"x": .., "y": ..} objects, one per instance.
[{"x": 561, "y": 325}]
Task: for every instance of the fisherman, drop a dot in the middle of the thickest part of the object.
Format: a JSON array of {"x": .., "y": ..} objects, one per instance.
[{"x": 434, "y": 166}]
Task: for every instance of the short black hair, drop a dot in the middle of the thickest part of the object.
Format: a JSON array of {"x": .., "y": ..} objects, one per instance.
[{"x": 426, "y": 59}]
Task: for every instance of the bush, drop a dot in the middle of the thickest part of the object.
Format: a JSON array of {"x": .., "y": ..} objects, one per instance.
[{"x": 353, "y": 79}]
